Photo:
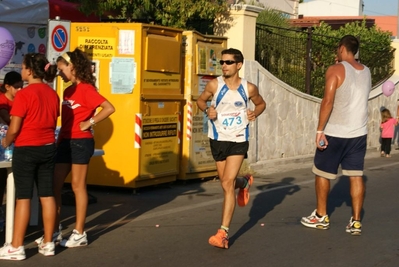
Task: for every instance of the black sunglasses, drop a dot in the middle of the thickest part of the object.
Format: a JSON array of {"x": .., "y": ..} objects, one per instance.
[{"x": 228, "y": 62}]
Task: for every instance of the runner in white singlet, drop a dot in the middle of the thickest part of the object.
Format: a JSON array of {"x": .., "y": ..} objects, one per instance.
[{"x": 228, "y": 118}]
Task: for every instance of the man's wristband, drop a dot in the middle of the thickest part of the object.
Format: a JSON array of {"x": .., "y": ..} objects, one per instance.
[{"x": 319, "y": 132}]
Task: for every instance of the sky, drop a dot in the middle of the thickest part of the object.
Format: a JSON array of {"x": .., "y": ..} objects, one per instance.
[{"x": 380, "y": 7}]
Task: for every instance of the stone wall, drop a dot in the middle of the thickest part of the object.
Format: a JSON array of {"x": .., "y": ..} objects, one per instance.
[{"x": 287, "y": 128}]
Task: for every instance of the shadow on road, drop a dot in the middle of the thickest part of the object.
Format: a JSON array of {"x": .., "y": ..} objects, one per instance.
[
  {"x": 340, "y": 194},
  {"x": 265, "y": 202}
]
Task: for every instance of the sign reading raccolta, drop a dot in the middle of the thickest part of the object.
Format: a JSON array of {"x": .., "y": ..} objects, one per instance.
[
  {"x": 95, "y": 43},
  {"x": 97, "y": 47}
]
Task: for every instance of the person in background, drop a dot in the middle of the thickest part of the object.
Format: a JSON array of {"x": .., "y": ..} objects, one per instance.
[
  {"x": 75, "y": 139},
  {"x": 387, "y": 130},
  {"x": 228, "y": 119},
  {"x": 34, "y": 117},
  {"x": 341, "y": 136},
  {"x": 12, "y": 83}
]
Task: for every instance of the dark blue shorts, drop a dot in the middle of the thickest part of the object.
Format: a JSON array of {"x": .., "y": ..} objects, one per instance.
[
  {"x": 222, "y": 149},
  {"x": 75, "y": 151},
  {"x": 347, "y": 152},
  {"x": 33, "y": 164}
]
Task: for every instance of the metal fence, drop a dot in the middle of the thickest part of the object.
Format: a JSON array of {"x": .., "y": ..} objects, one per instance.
[{"x": 301, "y": 58}]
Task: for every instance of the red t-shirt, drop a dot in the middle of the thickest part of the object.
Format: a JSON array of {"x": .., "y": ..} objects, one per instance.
[
  {"x": 79, "y": 104},
  {"x": 39, "y": 106},
  {"x": 5, "y": 103}
]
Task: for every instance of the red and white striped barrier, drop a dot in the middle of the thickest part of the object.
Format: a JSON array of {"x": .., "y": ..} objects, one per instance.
[
  {"x": 189, "y": 120},
  {"x": 138, "y": 130}
]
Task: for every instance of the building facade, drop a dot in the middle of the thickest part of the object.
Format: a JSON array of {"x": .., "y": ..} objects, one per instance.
[{"x": 331, "y": 8}]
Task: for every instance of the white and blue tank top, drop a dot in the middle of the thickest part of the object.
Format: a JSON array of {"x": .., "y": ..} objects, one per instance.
[{"x": 231, "y": 106}]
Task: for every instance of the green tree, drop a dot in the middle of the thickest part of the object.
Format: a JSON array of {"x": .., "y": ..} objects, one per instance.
[
  {"x": 273, "y": 17},
  {"x": 172, "y": 13},
  {"x": 282, "y": 51},
  {"x": 375, "y": 51}
]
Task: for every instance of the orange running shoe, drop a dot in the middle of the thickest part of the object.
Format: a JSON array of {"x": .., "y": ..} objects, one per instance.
[
  {"x": 220, "y": 240},
  {"x": 243, "y": 194}
]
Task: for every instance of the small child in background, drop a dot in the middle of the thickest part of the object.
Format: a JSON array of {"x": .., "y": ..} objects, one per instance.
[{"x": 387, "y": 130}]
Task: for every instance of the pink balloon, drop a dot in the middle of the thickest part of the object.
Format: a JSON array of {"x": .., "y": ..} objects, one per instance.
[
  {"x": 388, "y": 88},
  {"x": 7, "y": 45}
]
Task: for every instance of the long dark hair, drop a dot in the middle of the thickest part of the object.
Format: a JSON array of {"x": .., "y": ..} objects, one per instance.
[
  {"x": 385, "y": 115},
  {"x": 81, "y": 64},
  {"x": 40, "y": 66}
]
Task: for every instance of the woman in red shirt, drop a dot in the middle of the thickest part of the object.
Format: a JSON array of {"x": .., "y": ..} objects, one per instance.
[
  {"x": 75, "y": 139},
  {"x": 34, "y": 117}
]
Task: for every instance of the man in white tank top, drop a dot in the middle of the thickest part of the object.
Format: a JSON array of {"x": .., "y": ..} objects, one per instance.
[
  {"x": 228, "y": 118},
  {"x": 341, "y": 136}
]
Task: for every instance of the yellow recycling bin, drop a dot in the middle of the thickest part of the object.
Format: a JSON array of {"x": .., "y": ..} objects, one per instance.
[
  {"x": 139, "y": 70},
  {"x": 201, "y": 64}
]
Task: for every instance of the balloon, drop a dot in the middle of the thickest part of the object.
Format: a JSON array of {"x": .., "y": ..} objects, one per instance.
[
  {"x": 7, "y": 45},
  {"x": 388, "y": 88}
]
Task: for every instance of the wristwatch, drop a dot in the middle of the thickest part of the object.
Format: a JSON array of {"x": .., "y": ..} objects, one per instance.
[{"x": 92, "y": 122}]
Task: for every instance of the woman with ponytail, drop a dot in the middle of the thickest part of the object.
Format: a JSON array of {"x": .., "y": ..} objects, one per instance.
[
  {"x": 33, "y": 121},
  {"x": 75, "y": 140}
]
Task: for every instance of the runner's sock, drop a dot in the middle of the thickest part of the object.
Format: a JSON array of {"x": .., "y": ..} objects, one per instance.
[
  {"x": 226, "y": 229},
  {"x": 246, "y": 184}
]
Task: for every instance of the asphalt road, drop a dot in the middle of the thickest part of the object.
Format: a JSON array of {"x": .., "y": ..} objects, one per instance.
[{"x": 169, "y": 225}]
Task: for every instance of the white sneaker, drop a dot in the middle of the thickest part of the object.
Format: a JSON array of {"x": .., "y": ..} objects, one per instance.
[
  {"x": 57, "y": 237},
  {"x": 75, "y": 240},
  {"x": 8, "y": 252},
  {"x": 47, "y": 249}
]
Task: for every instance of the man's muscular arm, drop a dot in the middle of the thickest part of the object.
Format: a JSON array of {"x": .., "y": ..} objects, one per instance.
[
  {"x": 257, "y": 99},
  {"x": 334, "y": 76}
]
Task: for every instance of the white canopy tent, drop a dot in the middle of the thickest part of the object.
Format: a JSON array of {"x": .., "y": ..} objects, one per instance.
[
  {"x": 27, "y": 20},
  {"x": 25, "y": 11}
]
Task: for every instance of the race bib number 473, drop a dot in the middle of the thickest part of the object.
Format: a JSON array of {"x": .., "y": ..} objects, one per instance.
[{"x": 232, "y": 121}]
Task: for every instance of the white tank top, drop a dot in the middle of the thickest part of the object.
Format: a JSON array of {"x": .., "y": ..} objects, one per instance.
[
  {"x": 349, "y": 115},
  {"x": 231, "y": 106}
]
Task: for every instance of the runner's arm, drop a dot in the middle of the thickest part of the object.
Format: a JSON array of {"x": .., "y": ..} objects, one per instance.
[
  {"x": 208, "y": 92},
  {"x": 257, "y": 99}
]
